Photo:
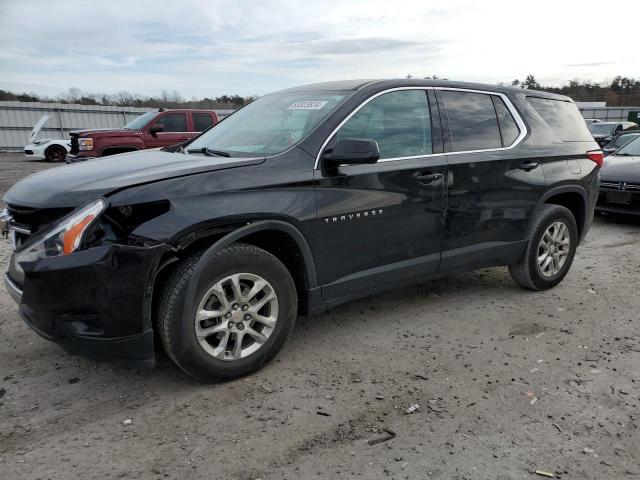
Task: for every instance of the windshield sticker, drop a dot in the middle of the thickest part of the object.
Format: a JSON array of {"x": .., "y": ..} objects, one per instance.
[{"x": 307, "y": 105}]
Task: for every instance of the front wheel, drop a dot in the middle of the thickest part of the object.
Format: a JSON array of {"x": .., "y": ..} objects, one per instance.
[
  {"x": 553, "y": 239},
  {"x": 55, "y": 153},
  {"x": 246, "y": 305}
]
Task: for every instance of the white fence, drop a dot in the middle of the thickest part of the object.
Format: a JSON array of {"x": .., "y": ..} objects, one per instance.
[
  {"x": 608, "y": 114},
  {"x": 18, "y": 118}
]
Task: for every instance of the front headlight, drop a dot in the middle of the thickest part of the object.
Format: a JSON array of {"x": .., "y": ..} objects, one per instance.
[
  {"x": 64, "y": 237},
  {"x": 85, "y": 143}
]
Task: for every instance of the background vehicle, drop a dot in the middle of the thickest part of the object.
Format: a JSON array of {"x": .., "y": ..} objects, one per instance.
[
  {"x": 620, "y": 181},
  {"x": 589, "y": 121},
  {"x": 46, "y": 149},
  {"x": 618, "y": 140},
  {"x": 149, "y": 130},
  {"x": 302, "y": 200},
  {"x": 603, "y": 131}
]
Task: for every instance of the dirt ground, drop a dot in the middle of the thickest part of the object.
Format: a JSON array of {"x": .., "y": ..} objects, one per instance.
[{"x": 507, "y": 382}]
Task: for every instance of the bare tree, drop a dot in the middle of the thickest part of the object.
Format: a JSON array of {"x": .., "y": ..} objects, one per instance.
[{"x": 74, "y": 94}]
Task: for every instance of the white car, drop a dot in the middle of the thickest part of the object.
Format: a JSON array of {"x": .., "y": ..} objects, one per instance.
[{"x": 46, "y": 149}]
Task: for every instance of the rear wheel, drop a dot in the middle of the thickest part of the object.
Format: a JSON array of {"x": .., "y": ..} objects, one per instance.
[
  {"x": 246, "y": 305},
  {"x": 553, "y": 239},
  {"x": 55, "y": 153}
]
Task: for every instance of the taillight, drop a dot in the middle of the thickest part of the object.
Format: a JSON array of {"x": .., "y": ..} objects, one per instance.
[{"x": 596, "y": 156}]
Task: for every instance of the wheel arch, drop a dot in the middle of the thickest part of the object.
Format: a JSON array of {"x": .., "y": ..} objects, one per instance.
[
  {"x": 54, "y": 146},
  {"x": 278, "y": 237},
  {"x": 573, "y": 197}
]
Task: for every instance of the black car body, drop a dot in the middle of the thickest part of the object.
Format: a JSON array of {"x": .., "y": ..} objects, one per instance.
[
  {"x": 620, "y": 184},
  {"x": 618, "y": 140},
  {"x": 463, "y": 172},
  {"x": 603, "y": 132}
]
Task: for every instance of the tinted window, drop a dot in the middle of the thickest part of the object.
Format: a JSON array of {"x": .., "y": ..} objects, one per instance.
[
  {"x": 631, "y": 148},
  {"x": 563, "y": 118},
  {"x": 622, "y": 139},
  {"x": 201, "y": 121},
  {"x": 173, "y": 122},
  {"x": 508, "y": 127},
  {"x": 398, "y": 121},
  {"x": 472, "y": 120}
]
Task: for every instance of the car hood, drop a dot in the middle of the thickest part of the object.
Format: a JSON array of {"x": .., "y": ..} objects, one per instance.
[
  {"x": 37, "y": 127},
  {"x": 620, "y": 168},
  {"x": 72, "y": 185},
  {"x": 105, "y": 132}
]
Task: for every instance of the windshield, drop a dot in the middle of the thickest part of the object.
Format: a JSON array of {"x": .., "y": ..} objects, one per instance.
[
  {"x": 601, "y": 128},
  {"x": 139, "y": 122},
  {"x": 270, "y": 124},
  {"x": 622, "y": 139},
  {"x": 631, "y": 148}
]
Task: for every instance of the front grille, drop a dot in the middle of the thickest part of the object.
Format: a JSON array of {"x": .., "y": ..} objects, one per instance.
[
  {"x": 75, "y": 147},
  {"x": 620, "y": 186},
  {"x": 27, "y": 221}
]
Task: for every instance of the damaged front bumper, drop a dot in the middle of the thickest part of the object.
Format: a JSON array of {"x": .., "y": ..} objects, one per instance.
[{"x": 95, "y": 302}]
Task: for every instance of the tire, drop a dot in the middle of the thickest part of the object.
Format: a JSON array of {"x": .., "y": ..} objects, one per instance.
[
  {"x": 528, "y": 273},
  {"x": 206, "y": 358},
  {"x": 55, "y": 153}
]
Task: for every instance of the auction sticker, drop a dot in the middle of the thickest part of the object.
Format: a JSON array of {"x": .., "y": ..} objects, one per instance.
[{"x": 307, "y": 105}]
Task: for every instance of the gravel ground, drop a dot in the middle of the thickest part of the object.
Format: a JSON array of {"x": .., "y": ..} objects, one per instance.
[{"x": 507, "y": 381}]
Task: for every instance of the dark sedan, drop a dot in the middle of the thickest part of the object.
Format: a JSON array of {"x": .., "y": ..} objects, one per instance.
[
  {"x": 603, "y": 131},
  {"x": 620, "y": 181},
  {"x": 618, "y": 140}
]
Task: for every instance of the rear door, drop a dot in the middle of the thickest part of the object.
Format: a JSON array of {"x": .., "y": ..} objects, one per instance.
[
  {"x": 381, "y": 223},
  {"x": 494, "y": 181},
  {"x": 174, "y": 130},
  {"x": 201, "y": 121}
]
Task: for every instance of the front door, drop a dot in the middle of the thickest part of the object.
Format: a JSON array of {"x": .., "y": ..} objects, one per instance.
[
  {"x": 381, "y": 223},
  {"x": 174, "y": 130}
]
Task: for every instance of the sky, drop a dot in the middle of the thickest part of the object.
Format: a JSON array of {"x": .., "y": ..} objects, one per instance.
[{"x": 247, "y": 47}]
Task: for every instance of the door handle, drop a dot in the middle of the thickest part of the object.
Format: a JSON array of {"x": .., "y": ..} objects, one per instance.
[
  {"x": 429, "y": 178},
  {"x": 528, "y": 166}
]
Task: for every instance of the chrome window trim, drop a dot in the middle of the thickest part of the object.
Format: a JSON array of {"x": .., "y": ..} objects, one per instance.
[{"x": 516, "y": 116}]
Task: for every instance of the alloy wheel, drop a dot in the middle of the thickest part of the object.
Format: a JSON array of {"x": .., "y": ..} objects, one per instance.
[
  {"x": 236, "y": 316},
  {"x": 553, "y": 249}
]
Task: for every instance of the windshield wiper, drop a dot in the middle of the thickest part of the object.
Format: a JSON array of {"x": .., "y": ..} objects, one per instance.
[{"x": 209, "y": 152}]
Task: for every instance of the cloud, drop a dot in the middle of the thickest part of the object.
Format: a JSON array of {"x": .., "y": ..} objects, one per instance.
[
  {"x": 590, "y": 64},
  {"x": 351, "y": 46},
  {"x": 211, "y": 47}
]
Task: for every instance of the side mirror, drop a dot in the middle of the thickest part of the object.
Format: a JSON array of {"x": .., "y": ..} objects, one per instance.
[
  {"x": 156, "y": 128},
  {"x": 353, "y": 151}
]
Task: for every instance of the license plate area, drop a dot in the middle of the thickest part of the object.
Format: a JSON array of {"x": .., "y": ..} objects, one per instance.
[{"x": 619, "y": 197}]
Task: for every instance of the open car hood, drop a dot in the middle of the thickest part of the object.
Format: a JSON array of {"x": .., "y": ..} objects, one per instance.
[{"x": 37, "y": 127}]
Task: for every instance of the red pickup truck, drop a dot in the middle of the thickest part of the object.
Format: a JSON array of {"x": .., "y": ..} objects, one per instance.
[{"x": 150, "y": 130}]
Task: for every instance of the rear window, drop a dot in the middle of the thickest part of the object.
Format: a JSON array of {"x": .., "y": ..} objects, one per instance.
[
  {"x": 472, "y": 121},
  {"x": 563, "y": 118}
]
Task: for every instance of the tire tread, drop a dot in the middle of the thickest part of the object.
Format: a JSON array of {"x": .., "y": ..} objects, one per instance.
[{"x": 176, "y": 286}]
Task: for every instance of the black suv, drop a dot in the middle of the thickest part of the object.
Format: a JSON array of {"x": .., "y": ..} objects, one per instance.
[{"x": 300, "y": 201}]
